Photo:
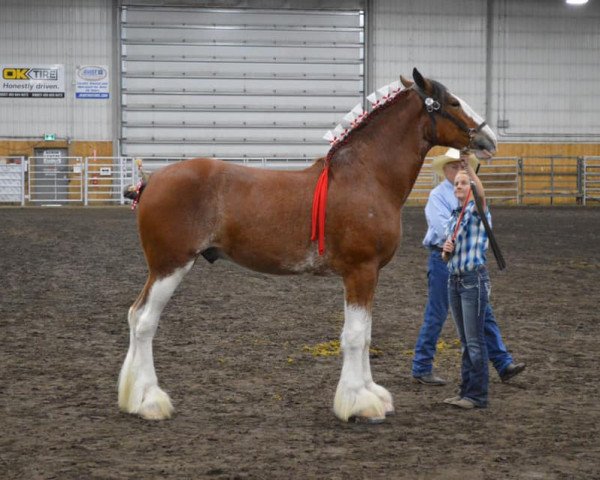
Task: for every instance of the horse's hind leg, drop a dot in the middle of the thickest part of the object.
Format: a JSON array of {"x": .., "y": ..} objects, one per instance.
[
  {"x": 357, "y": 395},
  {"x": 139, "y": 392}
]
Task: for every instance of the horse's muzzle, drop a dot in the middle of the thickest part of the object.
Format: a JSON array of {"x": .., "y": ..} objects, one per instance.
[{"x": 483, "y": 146}]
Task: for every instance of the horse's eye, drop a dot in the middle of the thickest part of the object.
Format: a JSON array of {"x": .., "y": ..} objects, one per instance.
[{"x": 454, "y": 103}]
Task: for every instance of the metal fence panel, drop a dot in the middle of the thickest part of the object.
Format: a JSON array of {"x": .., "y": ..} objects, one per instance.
[
  {"x": 591, "y": 179},
  {"x": 500, "y": 179},
  {"x": 12, "y": 180},
  {"x": 58, "y": 180},
  {"x": 55, "y": 180},
  {"x": 554, "y": 177},
  {"x": 105, "y": 179}
]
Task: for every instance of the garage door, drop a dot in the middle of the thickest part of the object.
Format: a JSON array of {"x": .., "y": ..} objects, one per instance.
[{"x": 237, "y": 83}]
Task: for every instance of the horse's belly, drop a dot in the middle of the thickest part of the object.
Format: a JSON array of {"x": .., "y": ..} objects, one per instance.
[{"x": 265, "y": 261}]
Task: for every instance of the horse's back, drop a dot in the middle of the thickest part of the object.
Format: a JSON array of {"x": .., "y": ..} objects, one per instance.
[
  {"x": 258, "y": 218},
  {"x": 215, "y": 183}
]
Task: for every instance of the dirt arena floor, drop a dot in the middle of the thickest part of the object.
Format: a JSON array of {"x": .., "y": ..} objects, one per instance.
[{"x": 235, "y": 351}]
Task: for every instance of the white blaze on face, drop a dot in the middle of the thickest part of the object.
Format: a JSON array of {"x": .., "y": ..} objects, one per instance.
[{"x": 477, "y": 119}]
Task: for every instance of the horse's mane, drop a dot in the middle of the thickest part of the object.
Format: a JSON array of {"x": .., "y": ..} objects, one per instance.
[
  {"x": 438, "y": 89},
  {"x": 349, "y": 135}
]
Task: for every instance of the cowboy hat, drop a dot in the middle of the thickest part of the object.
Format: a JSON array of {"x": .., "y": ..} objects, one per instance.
[{"x": 452, "y": 155}]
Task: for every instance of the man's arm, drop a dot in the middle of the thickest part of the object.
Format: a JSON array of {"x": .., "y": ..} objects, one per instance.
[{"x": 437, "y": 212}]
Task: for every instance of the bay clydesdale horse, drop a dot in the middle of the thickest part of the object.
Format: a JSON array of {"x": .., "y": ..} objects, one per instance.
[{"x": 261, "y": 219}]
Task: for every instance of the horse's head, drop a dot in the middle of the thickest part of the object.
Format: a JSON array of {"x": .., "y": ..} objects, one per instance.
[{"x": 453, "y": 122}]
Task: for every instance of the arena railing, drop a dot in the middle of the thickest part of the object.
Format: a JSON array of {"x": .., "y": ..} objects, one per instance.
[
  {"x": 54, "y": 180},
  {"x": 591, "y": 179},
  {"x": 105, "y": 179},
  {"x": 12, "y": 180},
  {"x": 553, "y": 179},
  {"x": 500, "y": 178},
  {"x": 102, "y": 180}
]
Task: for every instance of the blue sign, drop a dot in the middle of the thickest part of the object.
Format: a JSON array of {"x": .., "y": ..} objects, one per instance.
[{"x": 92, "y": 81}]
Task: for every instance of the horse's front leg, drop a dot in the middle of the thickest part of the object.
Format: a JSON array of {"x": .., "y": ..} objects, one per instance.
[
  {"x": 382, "y": 393},
  {"x": 357, "y": 395}
]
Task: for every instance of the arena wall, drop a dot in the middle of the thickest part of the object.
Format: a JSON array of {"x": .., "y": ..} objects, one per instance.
[{"x": 529, "y": 67}]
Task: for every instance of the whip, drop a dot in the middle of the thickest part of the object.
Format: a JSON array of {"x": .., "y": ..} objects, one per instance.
[{"x": 488, "y": 228}]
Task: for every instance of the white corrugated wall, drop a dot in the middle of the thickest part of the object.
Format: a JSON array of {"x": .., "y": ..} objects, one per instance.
[
  {"x": 260, "y": 83},
  {"x": 444, "y": 40},
  {"x": 530, "y": 66},
  {"x": 67, "y": 32},
  {"x": 546, "y": 70}
]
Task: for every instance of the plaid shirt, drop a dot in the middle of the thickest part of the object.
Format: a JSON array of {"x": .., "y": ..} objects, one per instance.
[{"x": 471, "y": 242}]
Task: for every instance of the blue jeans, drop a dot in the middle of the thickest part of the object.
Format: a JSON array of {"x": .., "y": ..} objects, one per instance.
[
  {"x": 468, "y": 294},
  {"x": 436, "y": 313}
]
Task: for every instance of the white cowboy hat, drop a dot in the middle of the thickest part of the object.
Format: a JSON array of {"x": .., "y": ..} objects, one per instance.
[{"x": 452, "y": 155}]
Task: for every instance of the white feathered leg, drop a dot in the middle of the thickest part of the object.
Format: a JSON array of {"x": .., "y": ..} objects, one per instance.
[
  {"x": 382, "y": 393},
  {"x": 353, "y": 398},
  {"x": 139, "y": 392}
]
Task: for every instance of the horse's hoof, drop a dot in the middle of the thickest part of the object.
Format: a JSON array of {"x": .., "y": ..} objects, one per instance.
[
  {"x": 156, "y": 406},
  {"x": 155, "y": 414},
  {"x": 366, "y": 420}
]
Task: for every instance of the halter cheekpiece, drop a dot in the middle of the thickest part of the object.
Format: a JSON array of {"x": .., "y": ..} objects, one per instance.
[{"x": 433, "y": 106}]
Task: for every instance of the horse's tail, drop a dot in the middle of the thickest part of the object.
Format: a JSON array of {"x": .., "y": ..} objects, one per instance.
[{"x": 134, "y": 192}]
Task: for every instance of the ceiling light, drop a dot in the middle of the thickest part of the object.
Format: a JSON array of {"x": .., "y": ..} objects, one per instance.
[{"x": 577, "y": 2}]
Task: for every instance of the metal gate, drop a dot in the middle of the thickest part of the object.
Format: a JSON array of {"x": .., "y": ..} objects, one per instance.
[
  {"x": 232, "y": 83},
  {"x": 556, "y": 178},
  {"x": 591, "y": 179},
  {"x": 55, "y": 179},
  {"x": 12, "y": 180},
  {"x": 105, "y": 179}
]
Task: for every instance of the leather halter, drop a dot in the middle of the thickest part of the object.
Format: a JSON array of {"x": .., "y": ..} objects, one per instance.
[{"x": 433, "y": 106}]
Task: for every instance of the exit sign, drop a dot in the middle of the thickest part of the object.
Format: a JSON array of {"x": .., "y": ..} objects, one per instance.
[{"x": 49, "y": 136}]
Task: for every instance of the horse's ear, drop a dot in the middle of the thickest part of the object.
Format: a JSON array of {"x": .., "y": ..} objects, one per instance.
[
  {"x": 421, "y": 82},
  {"x": 406, "y": 82}
]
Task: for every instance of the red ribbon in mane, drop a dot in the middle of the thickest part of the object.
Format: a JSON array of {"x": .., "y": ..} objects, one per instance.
[
  {"x": 320, "y": 196},
  {"x": 318, "y": 208}
]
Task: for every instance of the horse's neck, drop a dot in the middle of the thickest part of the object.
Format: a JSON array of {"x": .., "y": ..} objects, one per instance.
[{"x": 391, "y": 147}]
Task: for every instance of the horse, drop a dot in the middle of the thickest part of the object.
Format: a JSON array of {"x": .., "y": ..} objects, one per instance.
[{"x": 261, "y": 220}]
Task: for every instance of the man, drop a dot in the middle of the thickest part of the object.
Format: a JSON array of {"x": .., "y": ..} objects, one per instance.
[{"x": 438, "y": 210}]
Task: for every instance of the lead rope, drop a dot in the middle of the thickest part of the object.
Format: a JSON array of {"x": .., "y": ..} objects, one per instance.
[
  {"x": 462, "y": 212},
  {"x": 446, "y": 256}
]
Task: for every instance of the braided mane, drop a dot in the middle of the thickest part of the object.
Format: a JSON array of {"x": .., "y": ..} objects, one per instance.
[
  {"x": 361, "y": 121},
  {"x": 347, "y": 137}
]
